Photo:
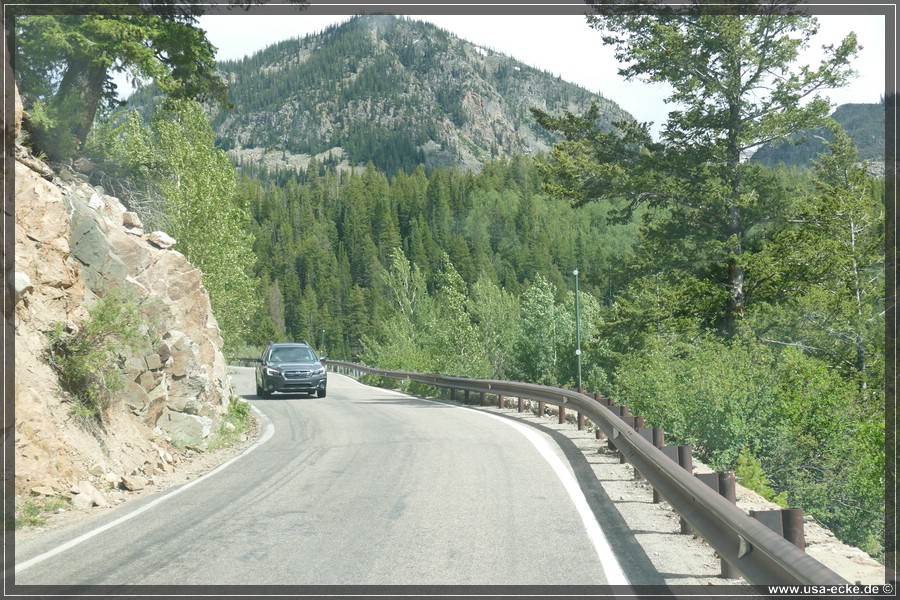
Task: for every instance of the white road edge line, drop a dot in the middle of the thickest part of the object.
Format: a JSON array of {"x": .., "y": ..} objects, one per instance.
[
  {"x": 266, "y": 436},
  {"x": 611, "y": 567}
]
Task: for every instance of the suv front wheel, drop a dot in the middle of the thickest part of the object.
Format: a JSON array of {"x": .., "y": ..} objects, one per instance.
[{"x": 320, "y": 393}]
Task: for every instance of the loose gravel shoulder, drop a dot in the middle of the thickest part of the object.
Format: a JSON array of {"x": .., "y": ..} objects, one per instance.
[{"x": 190, "y": 466}]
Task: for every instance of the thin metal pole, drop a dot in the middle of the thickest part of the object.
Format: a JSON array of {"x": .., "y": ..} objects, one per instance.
[{"x": 577, "y": 328}]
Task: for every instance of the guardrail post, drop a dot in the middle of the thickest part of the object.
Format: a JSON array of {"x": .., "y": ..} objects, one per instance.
[
  {"x": 659, "y": 440},
  {"x": 599, "y": 398},
  {"x": 562, "y": 414},
  {"x": 521, "y": 404},
  {"x": 787, "y": 523},
  {"x": 499, "y": 400},
  {"x": 481, "y": 396},
  {"x": 466, "y": 400},
  {"x": 637, "y": 423},
  {"x": 540, "y": 408},
  {"x": 686, "y": 460},
  {"x": 581, "y": 421},
  {"x": 623, "y": 414},
  {"x": 618, "y": 411},
  {"x": 631, "y": 422},
  {"x": 727, "y": 486},
  {"x": 684, "y": 456},
  {"x": 723, "y": 483},
  {"x": 792, "y": 524}
]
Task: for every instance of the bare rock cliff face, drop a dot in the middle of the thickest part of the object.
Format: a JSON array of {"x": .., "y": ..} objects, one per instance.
[{"x": 73, "y": 244}]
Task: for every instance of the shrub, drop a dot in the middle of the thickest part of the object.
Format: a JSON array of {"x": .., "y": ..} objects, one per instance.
[
  {"x": 232, "y": 425},
  {"x": 31, "y": 511},
  {"x": 88, "y": 360},
  {"x": 751, "y": 475}
]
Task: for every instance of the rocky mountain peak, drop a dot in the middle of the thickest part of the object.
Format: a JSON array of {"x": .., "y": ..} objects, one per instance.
[{"x": 393, "y": 91}]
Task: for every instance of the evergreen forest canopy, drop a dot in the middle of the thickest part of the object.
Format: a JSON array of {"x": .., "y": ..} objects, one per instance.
[{"x": 739, "y": 306}]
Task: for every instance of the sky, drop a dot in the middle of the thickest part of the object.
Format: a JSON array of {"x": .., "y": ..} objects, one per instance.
[{"x": 562, "y": 45}]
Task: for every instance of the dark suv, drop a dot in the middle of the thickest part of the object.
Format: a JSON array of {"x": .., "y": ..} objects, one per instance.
[{"x": 290, "y": 367}]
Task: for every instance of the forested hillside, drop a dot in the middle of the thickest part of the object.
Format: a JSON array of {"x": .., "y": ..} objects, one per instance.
[
  {"x": 326, "y": 240},
  {"x": 864, "y": 123}
]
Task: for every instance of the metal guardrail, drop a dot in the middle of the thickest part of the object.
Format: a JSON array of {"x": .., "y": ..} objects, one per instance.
[
  {"x": 745, "y": 544},
  {"x": 244, "y": 361}
]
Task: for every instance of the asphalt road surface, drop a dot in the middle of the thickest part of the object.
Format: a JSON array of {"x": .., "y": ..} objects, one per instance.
[{"x": 363, "y": 487}]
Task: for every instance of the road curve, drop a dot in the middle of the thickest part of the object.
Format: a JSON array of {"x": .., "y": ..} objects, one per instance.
[{"x": 363, "y": 487}]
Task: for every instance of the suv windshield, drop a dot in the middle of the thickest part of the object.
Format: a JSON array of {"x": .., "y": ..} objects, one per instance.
[{"x": 291, "y": 355}]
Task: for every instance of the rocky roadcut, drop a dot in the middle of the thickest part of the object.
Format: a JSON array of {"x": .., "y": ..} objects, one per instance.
[
  {"x": 102, "y": 492},
  {"x": 74, "y": 243}
]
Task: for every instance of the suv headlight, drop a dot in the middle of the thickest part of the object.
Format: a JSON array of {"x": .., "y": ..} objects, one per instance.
[
  {"x": 319, "y": 371},
  {"x": 271, "y": 371}
]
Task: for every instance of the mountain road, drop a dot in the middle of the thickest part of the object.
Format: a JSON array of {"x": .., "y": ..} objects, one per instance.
[{"x": 363, "y": 487}]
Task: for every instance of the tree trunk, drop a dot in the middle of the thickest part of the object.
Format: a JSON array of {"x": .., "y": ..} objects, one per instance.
[
  {"x": 735, "y": 306},
  {"x": 736, "y": 297},
  {"x": 75, "y": 106}
]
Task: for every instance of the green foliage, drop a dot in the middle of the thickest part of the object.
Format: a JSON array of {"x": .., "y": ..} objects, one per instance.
[
  {"x": 400, "y": 345},
  {"x": 31, "y": 512},
  {"x": 712, "y": 395},
  {"x": 749, "y": 474},
  {"x": 717, "y": 209},
  {"x": 203, "y": 213},
  {"x": 44, "y": 121},
  {"x": 453, "y": 342},
  {"x": 329, "y": 238},
  {"x": 495, "y": 317},
  {"x": 829, "y": 452},
  {"x": 129, "y": 164},
  {"x": 88, "y": 360},
  {"x": 182, "y": 184},
  {"x": 232, "y": 426},
  {"x": 544, "y": 326},
  {"x": 793, "y": 428},
  {"x": 65, "y": 66}
]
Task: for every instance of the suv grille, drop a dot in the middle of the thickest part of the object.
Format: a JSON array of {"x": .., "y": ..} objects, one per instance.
[{"x": 297, "y": 374}]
